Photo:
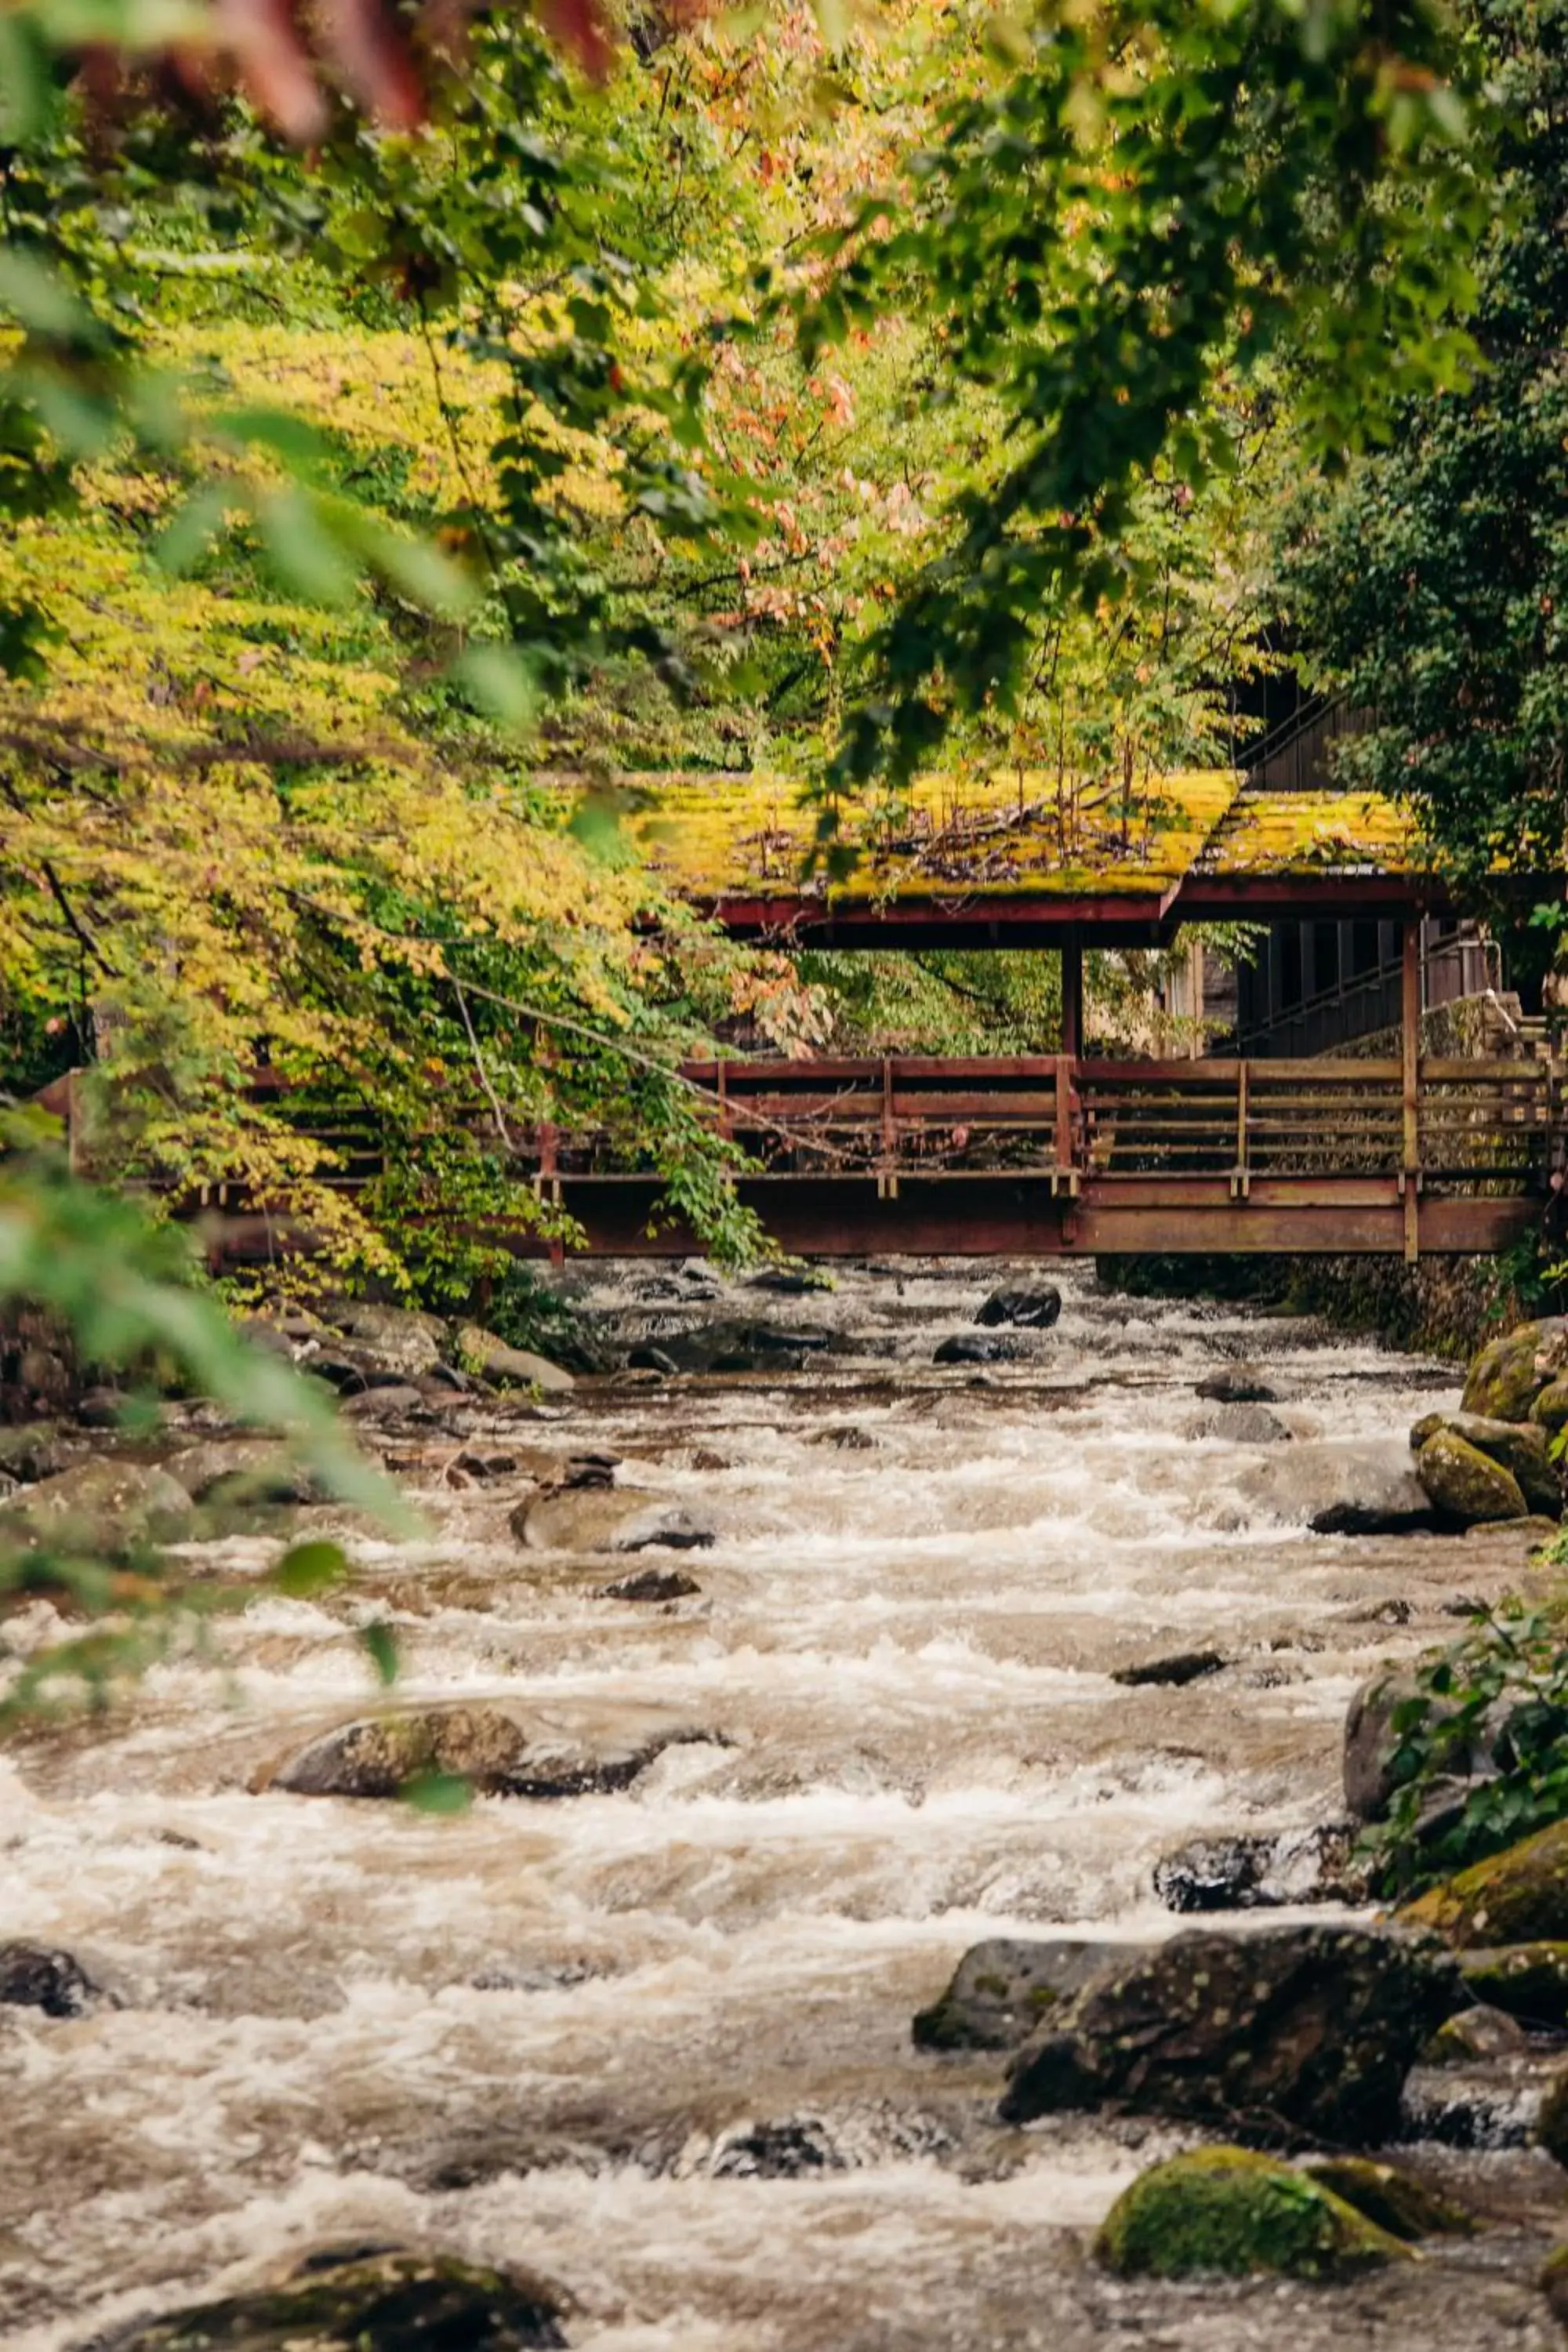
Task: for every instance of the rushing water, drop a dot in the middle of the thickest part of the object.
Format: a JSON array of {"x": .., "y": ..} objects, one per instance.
[{"x": 656, "y": 2043}]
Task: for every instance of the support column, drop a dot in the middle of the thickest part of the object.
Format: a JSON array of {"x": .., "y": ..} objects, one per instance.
[
  {"x": 1072, "y": 997},
  {"x": 1410, "y": 1069}
]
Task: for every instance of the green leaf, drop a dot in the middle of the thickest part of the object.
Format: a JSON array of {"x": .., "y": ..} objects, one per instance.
[
  {"x": 380, "y": 1644},
  {"x": 306, "y": 554},
  {"x": 307, "y": 1569},
  {"x": 186, "y": 538},
  {"x": 501, "y": 684}
]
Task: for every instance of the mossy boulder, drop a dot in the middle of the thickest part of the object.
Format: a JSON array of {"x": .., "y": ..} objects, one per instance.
[
  {"x": 1529, "y": 1981},
  {"x": 1228, "y": 2212},
  {"x": 1295, "y": 2034},
  {"x": 1002, "y": 1989},
  {"x": 369, "y": 2301},
  {"x": 1467, "y": 1486},
  {"x": 1522, "y": 1448},
  {"x": 1393, "y": 2199},
  {"x": 1510, "y": 1372},
  {"x": 1518, "y": 1896},
  {"x": 1552, "y": 2123},
  {"x": 1554, "y": 2284},
  {"x": 500, "y": 1747},
  {"x": 1476, "y": 2036},
  {"x": 1549, "y": 1411},
  {"x": 104, "y": 1507}
]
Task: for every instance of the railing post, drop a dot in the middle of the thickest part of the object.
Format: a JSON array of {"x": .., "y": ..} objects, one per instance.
[
  {"x": 726, "y": 1124},
  {"x": 1243, "y": 1090},
  {"x": 888, "y": 1181},
  {"x": 1066, "y": 1068},
  {"x": 1410, "y": 1067}
]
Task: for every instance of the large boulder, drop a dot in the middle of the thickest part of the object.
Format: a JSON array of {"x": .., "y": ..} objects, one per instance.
[
  {"x": 1518, "y": 1896},
  {"x": 1377, "y": 1762},
  {"x": 1002, "y": 1989},
  {"x": 368, "y": 2299},
  {"x": 1522, "y": 1448},
  {"x": 1467, "y": 1486},
  {"x": 1393, "y": 2199},
  {"x": 1239, "y": 1383},
  {"x": 104, "y": 1506},
  {"x": 396, "y": 1339},
  {"x": 1035, "y": 1308},
  {"x": 233, "y": 1470},
  {"x": 1227, "y": 2211},
  {"x": 37, "y": 1976},
  {"x": 1297, "y": 2033},
  {"x": 516, "y": 1368},
  {"x": 1549, "y": 1411},
  {"x": 1239, "y": 1424},
  {"x": 501, "y": 1747},
  {"x": 1510, "y": 1372},
  {"x": 608, "y": 1519},
  {"x": 34, "y": 1450},
  {"x": 1528, "y": 1981},
  {"x": 976, "y": 1348},
  {"x": 1339, "y": 1489},
  {"x": 1250, "y": 1874}
]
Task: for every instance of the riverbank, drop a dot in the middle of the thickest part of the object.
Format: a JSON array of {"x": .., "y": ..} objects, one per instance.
[{"x": 1445, "y": 1307}]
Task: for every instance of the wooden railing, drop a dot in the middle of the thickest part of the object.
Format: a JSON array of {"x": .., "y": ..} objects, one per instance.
[{"x": 1467, "y": 1124}]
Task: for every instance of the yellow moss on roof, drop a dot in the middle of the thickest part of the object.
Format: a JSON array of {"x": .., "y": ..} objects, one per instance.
[
  {"x": 1003, "y": 835},
  {"x": 999, "y": 834},
  {"x": 1289, "y": 833}
]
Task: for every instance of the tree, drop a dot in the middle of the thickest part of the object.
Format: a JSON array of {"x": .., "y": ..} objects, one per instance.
[{"x": 1432, "y": 585}]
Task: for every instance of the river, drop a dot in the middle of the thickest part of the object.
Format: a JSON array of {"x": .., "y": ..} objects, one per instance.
[{"x": 657, "y": 2043}]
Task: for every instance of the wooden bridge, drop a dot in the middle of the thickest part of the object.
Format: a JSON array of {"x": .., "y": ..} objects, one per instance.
[{"x": 1064, "y": 1155}]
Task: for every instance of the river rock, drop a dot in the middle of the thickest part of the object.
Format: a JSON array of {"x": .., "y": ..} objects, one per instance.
[
  {"x": 1238, "y": 1384},
  {"x": 1518, "y": 1896},
  {"x": 1182, "y": 1667},
  {"x": 594, "y": 1519},
  {"x": 396, "y": 1339},
  {"x": 1510, "y": 1372},
  {"x": 1474, "y": 2035},
  {"x": 652, "y": 1360},
  {"x": 398, "y": 1401},
  {"x": 100, "y": 1505},
  {"x": 1520, "y": 1447},
  {"x": 241, "y": 1469},
  {"x": 975, "y": 1348},
  {"x": 1339, "y": 1489},
  {"x": 1295, "y": 2032},
  {"x": 1240, "y": 1424},
  {"x": 799, "y": 2148},
  {"x": 508, "y": 1367},
  {"x": 1528, "y": 1981},
  {"x": 35, "y": 1976},
  {"x": 1554, "y": 2284},
  {"x": 1035, "y": 1308},
  {"x": 1549, "y": 1411},
  {"x": 356, "y": 2298},
  {"x": 1392, "y": 2197},
  {"x": 1372, "y": 1775},
  {"x": 34, "y": 1451},
  {"x": 101, "y": 1408},
  {"x": 651, "y": 1584},
  {"x": 502, "y": 1748},
  {"x": 1228, "y": 2212},
  {"x": 1467, "y": 1488},
  {"x": 1248, "y": 1874},
  {"x": 1001, "y": 1990}
]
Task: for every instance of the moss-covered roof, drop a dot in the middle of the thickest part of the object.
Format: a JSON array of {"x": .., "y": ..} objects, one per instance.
[{"x": 1004, "y": 836}]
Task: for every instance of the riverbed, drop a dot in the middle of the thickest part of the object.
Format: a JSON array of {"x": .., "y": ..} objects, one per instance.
[{"x": 657, "y": 2043}]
